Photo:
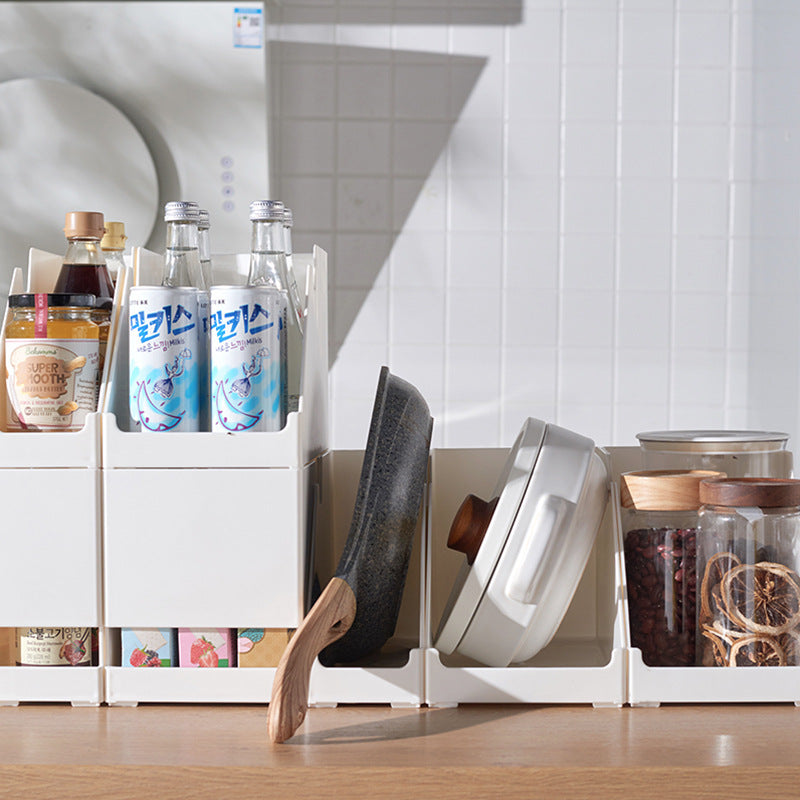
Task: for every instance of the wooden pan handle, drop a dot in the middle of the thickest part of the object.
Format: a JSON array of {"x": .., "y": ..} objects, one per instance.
[{"x": 329, "y": 619}]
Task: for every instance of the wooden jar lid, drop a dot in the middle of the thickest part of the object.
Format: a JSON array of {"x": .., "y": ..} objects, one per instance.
[
  {"x": 664, "y": 490},
  {"x": 751, "y": 492}
]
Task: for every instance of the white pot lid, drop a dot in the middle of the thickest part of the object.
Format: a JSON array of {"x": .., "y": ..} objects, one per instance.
[{"x": 507, "y": 604}]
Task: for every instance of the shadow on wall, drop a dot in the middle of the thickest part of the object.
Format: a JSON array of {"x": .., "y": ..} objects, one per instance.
[
  {"x": 357, "y": 132},
  {"x": 405, "y": 12}
]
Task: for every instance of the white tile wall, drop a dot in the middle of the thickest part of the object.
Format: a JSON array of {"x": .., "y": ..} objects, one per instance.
[{"x": 553, "y": 208}]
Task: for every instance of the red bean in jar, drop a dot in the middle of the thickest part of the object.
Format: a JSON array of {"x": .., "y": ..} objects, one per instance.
[{"x": 659, "y": 517}]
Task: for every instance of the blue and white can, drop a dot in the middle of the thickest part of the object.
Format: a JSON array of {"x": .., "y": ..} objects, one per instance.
[
  {"x": 248, "y": 358},
  {"x": 203, "y": 361},
  {"x": 164, "y": 350}
]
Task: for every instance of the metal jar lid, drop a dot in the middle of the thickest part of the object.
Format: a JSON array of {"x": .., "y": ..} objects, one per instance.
[
  {"x": 266, "y": 211},
  {"x": 181, "y": 211},
  {"x": 751, "y": 492},
  {"x": 713, "y": 441},
  {"x": 54, "y": 300}
]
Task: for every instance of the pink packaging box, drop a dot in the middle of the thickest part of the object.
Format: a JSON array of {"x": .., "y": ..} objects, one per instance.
[{"x": 208, "y": 647}]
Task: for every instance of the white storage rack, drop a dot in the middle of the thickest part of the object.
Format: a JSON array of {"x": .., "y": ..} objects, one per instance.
[
  {"x": 50, "y": 492},
  {"x": 395, "y": 674},
  {"x": 208, "y": 530},
  {"x": 585, "y": 661},
  {"x": 651, "y": 686}
]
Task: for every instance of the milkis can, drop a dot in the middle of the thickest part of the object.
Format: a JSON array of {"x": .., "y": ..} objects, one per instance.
[
  {"x": 204, "y": 365},
  {"x": 248, "y": 358},
  {"x": 164, "y": 354}
]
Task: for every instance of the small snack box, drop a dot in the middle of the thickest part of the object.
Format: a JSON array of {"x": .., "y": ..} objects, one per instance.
[
  {"x": 211, "y": 647},
  {"x": 261, "y": 647},
  {"x": 149, "y": 647}
]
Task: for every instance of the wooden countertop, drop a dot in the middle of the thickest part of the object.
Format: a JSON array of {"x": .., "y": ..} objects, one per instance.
[{"x": 753, "y": 752}]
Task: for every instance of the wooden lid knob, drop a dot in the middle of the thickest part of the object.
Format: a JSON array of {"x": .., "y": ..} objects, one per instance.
[{"x": 469, "y": 526}]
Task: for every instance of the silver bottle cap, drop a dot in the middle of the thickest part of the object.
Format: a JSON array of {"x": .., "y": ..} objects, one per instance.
[
  {"x": 181, "y": 211},
  {"x": 266, "y": 211},
  {"x": 288, "y": 219},
  {"x": 203, "y": 221}
]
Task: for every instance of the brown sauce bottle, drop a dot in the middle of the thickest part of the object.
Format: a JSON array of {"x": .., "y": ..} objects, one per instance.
[{"x": 84, "y": 270}]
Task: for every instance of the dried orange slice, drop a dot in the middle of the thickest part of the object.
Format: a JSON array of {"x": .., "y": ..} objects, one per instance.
[
  {"x": 757, "y": 651},
  {"x": 790, "y": 642},
  {"x": 719, "y": 612},
  {"x": 715, "y": 654},
  {"x": 726, "y": 634},
  {"x": 762, "y": 598},
  {"x": 716, "y": 568}
]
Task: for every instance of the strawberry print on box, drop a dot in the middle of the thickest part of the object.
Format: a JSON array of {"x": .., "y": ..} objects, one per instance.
[
  {"x": 212, "y": 647},
  {"x": 149, "y": 647}
]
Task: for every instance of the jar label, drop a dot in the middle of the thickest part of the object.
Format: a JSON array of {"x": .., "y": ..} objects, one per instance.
[
  {"x": 52, "y": 384},
  {"x": 40, "y": 317},
  {"x": 53, "y": 647}
]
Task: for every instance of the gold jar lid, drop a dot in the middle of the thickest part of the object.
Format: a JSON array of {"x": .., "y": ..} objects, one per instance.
[{"x": 114, "y": 238}]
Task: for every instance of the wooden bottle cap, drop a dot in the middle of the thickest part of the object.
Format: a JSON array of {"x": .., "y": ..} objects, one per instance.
[
  {"x": 664, "y": 490},
  {"x": 469, "y": 526},
  {"x": 751, "y": 492}
]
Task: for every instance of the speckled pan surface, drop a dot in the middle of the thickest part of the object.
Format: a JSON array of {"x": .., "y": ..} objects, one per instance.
[{"x": 375, "y": 559}]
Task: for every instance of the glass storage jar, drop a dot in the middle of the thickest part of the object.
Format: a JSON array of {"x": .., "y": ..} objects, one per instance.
[
  {"x": 739, "y": 454},
  {"x": 748, "y": 556},
  {"x": 659, "y": 525},
  {"x": 51, "y": 361}
]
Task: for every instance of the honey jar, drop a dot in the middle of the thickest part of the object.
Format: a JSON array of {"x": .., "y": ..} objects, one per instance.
[{"x": 52, "y": 359}]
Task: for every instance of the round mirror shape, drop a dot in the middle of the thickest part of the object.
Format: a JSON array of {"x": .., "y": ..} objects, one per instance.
[{"x": 63, "y": 148}]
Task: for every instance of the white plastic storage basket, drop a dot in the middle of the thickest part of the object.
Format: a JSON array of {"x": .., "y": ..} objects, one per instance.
[
  {"x": 584, "y": 662},
  {"x": 652, "y": 686},
  {"x": 50, "y": 491},
  {"x": 207, "y": 530}
]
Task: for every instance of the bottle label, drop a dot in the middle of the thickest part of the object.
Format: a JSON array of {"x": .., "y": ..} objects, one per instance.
[
  {"x": 52, "y": 383},
  {"x": 53, "y": 647},
  {"x": 248, "y": 359},
  {"x": 166, "y": 369}
]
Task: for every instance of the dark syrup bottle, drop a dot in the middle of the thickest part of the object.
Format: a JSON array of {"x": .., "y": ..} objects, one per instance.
[{"x": 84, "y": 269}]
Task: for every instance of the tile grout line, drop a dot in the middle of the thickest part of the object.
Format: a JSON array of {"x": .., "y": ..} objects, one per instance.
[
  {"x": 615, "y": 244},
  {"x": 733, "y": 29},
  {"x": 560, "y": 202},
  {"x": 393, "y": 236},
  {"x": 674, "y": 221},
  {"x": 448, "y": 254},
  {"x": 501, "y": 417}
]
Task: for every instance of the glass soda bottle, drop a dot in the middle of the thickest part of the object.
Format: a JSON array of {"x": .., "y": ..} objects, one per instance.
[
  {"x": 204, "y": 244},
  {"x": 268, "y": 270},
  {"x": 294, "y": 294},
  {"x": 182, "y": 268}
]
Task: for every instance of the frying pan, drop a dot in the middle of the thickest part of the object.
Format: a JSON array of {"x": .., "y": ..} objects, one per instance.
[{"x": 357, "y": 611}]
